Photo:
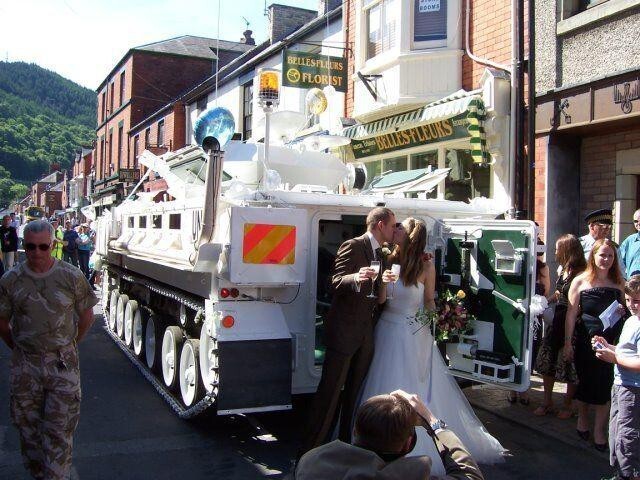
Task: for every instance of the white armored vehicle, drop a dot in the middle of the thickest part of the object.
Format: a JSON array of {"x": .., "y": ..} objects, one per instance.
[{"x": 219, "y": 294}]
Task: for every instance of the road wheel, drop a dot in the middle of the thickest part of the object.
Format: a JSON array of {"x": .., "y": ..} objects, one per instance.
[
  {"x": 208, "y": 356},
  {"x": 121, "y": 306},
  {"x": 113, "y": 307},
  {"x": 129, "y": 313},
  {"x": 190, "y": 384},
  {"x": 152, "y": 342},
  {"x": 137, "y": 331},
  {"x": 170, "y": 356}
]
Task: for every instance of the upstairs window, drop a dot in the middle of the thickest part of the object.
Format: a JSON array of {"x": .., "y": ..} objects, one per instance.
[
  {"x": 136, "y": 149},
  {"x": 247, "y": 110},
  {"x": 429, "y": 20},
  {"x": 122, "y": 88},
  {"x": 103, "y": 113},
  {"x": 112, "y": 94},
  {"x": 161, "y": 133},
  {"x": 382, "y": 22}
]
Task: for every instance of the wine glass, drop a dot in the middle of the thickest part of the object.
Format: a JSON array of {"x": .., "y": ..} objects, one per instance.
[
  {"x": 395, "y": 269},
  {"x": 375, "y": 265}
]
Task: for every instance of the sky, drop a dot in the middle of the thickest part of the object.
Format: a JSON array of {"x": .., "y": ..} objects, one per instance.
[{"x": 82, "y": 40}]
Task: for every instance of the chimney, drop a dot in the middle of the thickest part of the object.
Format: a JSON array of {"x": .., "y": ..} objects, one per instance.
[
  {"x": 284, "y": 20},
  {"x": 326, "y": 6},
  {"x": 247, "y": 39},
  {"x": 54, "y": 167}
]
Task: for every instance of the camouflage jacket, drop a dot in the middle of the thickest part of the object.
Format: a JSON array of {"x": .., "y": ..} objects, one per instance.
[{"x": 43, "y": 308}]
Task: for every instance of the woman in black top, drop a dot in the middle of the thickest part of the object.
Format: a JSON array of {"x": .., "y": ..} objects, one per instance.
[
  {"x": 550, "y": 362},
  {"x": 590, "y": 294}
]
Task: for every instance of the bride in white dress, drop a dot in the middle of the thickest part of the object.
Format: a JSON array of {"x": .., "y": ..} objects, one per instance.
[{"x": 408, "y": 360}]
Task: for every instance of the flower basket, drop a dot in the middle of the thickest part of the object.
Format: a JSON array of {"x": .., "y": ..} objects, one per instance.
[{"x": 448, "y": 320}]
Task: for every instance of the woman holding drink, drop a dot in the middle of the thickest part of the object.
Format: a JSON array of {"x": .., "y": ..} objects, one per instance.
[{"x": 407, "y": 359}]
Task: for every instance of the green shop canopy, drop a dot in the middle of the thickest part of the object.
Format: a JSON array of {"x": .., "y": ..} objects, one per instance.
[{"x": 459, "y": 105}]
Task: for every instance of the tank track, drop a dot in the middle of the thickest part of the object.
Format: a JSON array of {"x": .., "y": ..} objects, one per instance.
[{"x": 185, "y": 413}]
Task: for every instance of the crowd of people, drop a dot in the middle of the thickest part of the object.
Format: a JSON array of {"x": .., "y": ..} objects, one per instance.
[{"x": 591, "y": 342}]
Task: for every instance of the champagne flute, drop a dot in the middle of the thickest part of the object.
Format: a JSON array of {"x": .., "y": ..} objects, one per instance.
[
  {"x": 395, "y": 269},
  {"x": 375, "y": 265}
]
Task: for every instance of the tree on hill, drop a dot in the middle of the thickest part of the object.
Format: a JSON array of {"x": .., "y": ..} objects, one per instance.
[{"x": 43, "y": 119}]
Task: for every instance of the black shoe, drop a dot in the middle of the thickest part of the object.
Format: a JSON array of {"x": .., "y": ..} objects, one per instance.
[
  {"x": 601, "y": 447},
  {"x": 584, "y": 435}
]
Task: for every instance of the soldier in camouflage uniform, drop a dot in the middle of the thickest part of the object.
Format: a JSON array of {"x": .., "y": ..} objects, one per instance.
[{"x": 45, "y": 310}]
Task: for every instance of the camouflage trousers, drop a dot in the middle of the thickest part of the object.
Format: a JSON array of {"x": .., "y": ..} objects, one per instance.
[{"x": 45, "y": 407}]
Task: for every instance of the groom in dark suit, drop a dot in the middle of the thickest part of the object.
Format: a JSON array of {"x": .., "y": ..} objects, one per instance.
[{"x": 349, "y": 329}]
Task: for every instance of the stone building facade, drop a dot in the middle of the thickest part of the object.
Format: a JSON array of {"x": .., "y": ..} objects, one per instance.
[{"x": 587, "y": 113}]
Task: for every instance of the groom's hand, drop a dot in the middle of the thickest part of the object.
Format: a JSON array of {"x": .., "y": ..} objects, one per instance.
[{"x": 365, "y": 273}]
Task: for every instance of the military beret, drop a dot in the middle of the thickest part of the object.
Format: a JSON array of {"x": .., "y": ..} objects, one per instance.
[{"x": 604, "y": 215}]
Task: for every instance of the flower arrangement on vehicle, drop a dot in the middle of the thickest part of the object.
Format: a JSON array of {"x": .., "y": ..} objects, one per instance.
[{"x": 450, "y": 317}]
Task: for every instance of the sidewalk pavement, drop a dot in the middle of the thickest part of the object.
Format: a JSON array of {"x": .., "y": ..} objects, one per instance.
[{"x": 494, "y": 400}]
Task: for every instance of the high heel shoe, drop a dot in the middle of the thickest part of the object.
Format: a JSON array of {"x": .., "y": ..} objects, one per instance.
[{"x": 583, "y": 434}]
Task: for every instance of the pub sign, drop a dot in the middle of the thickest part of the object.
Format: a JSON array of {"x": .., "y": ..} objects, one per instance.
[{"x": 309, "y": 70}]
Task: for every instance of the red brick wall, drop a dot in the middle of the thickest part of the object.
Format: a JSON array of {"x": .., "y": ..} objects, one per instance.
[
  {"x": 349, "y": 21},
  {"x": 598, "y": 167},
  {"x": 540, "y": 184},
  {"x": 489, "y": 37},
  {"x": 169, "y": 75}
]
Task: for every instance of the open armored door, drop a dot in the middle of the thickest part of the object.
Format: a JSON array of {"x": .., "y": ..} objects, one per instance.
[{"x": 493, "y": 262}]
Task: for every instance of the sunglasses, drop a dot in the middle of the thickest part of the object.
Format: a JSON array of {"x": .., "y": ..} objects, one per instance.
[
  {"x": 636, "y": 222},
  {"x": 30, "y": 247}
]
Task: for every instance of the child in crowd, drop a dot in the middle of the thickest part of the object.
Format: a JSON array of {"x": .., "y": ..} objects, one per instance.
[{"x": 624, "y": 423}]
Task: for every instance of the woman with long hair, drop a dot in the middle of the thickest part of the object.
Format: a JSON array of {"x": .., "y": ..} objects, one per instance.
[
  {"x": 590, "y": 294},
  {"x": 406, "y": 358},
  {"x": 550, "y": 362}
]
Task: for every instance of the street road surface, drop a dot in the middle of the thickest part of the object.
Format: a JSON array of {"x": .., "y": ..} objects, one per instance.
[{"x": 127, "y": 431}]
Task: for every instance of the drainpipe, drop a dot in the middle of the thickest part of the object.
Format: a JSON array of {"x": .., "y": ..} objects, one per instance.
[
  {"x": 521, "y": 165},
  {"x": 531, "y": 118}
]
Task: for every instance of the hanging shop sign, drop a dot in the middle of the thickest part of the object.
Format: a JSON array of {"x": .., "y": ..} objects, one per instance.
[
  {"x": 308, "y": 70},
  {"x": 440, "y": 131},
  {"x": 128, "y": 175}
]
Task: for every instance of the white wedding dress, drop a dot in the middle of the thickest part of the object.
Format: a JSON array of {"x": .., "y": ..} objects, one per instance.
[{"x": 408, "y": 360}]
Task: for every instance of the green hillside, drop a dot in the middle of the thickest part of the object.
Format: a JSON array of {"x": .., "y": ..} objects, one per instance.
[{"x": 44, "y": 118}]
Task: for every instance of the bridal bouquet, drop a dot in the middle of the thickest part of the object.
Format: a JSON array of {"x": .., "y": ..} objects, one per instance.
[{"x": 450, "y": 316}]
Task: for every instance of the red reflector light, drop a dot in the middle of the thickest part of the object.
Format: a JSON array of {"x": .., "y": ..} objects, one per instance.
[
  {"x": 228, "y": 321},
  {"x": 234, "y": 293},
  {"x": 224, "y": 292}
]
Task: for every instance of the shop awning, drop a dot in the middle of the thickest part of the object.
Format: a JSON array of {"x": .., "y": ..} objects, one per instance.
[{"x": 451, "y": 106}]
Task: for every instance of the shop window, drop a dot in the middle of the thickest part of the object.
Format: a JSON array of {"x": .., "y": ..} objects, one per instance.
[
  {"x": 373, "y": 169},
  {"x": 157, "y": 221},
  {"x": 382, "y": 22},
  {"x": 466, "y": 179},
  {"x": 142, "y": 221},
  {"x": 130, "y": 222},
  {"x": 396, "y": 164},
  {"x": 136, "y": 150},
  {"x": 147, "y": 137},
  {"x": 429, "y": 20},
  {"x": 424, "y": 160}
]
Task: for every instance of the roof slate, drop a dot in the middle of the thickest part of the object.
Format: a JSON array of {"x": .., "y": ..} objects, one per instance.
[{"x": 192, "y": 46}]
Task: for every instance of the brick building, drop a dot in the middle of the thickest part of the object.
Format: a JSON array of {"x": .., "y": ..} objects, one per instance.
[
  {"x": 414, "y": 65},
  {"x": 77, "y": 191},
  {"x": 44, "y": 185},
  {"x": 144, "y": 80},
  {"x": 587, "y": 113}
]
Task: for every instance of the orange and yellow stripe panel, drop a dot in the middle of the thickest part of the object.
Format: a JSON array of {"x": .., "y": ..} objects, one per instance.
[{"x": 264, "y": 244}]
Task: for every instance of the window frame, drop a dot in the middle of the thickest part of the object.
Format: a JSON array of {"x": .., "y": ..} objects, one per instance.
[
  {"x": 428, "y": 44},
  {"x": 367, "y": 6},
  {"x": 122, "y": 85},
  {"x": 247, "y": 104}
]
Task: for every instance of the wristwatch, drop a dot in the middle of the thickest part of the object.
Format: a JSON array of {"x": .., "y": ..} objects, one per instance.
[{"x": 437, "y": 425}]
